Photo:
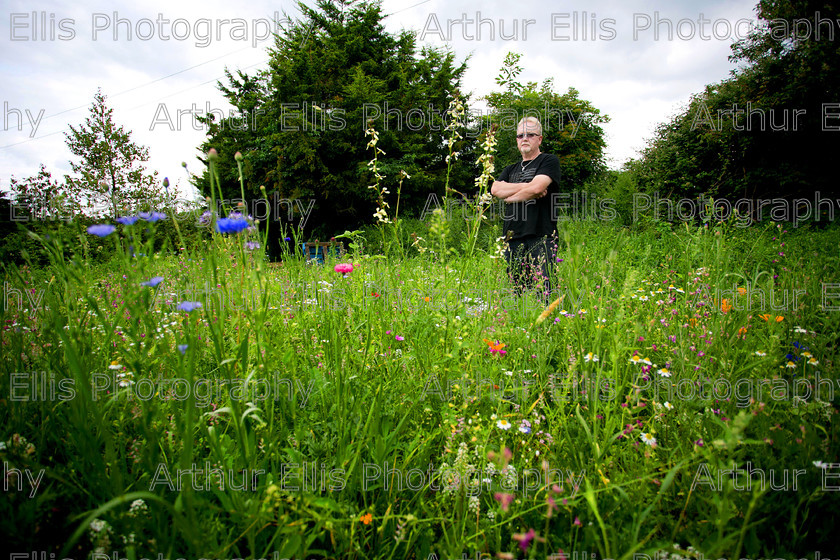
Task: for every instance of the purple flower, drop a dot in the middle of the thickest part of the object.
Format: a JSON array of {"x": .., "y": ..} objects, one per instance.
[
  {"x": 251, "y": 245},
  {"x": 189, "y": 306},
  {"x": 128, "y": 220},
  {"x": 101, "y": 230},
  {"x": 525, "y": 540},
  {"x": 152, "y": 216},
  {"x": 231, "y": 225},
  {"x": 152, "y": 282},
  {"x": 182, "y": 348},
  {"x": 399, "y": 338}
]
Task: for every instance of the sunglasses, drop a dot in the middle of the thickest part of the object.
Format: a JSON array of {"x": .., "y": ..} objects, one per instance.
[{"x": 529, "y": 135}]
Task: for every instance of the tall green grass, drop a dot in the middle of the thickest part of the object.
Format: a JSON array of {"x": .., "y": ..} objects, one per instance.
[{"x": 365, "y": 416}]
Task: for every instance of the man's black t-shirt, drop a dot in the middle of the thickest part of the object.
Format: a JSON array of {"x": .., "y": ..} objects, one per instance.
[{"x": 532, "y": 217}]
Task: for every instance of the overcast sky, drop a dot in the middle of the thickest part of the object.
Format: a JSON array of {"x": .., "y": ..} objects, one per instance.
[{"x": 637, "y": 61}]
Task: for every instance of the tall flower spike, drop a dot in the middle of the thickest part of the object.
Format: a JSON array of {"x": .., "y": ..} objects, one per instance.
[{"x": 549, "y": 310}]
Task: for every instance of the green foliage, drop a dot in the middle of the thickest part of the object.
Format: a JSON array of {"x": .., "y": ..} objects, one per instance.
[
  {"x": 760, "y": 132},
  {"x": 392, "y": 384}
]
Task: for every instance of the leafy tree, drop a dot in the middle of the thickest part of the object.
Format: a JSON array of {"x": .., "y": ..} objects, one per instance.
[
  {"x": 571, "y": 126},
  {"x": 110, "y": 166},
  {"x": 41, "y": 197},
  {"x": 762, "y": 133},
  {"x": 300, "y": 124}
]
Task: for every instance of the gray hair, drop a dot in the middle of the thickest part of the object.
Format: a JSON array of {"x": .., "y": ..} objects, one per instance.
[{"x": 533, "y": 122}]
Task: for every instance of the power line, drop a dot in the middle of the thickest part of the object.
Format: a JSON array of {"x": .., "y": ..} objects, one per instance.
[
  {"x": 136, "y": 88},
  {"x": 408, "y": 8}
]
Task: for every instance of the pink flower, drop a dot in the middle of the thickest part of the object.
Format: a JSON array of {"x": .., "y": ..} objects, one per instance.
[
  {"x": 399, "y": 338},
  {"x": 524, "y": 540},
  {"x": 504, "y": 498},
  {"x": 344, "y": 268}
]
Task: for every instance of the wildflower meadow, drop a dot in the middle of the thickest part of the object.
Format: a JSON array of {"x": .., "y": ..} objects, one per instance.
[{"x": 675, "y": 398}]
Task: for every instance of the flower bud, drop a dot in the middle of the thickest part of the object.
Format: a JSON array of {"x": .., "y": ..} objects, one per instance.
[
  {"x": 166, "y": 182},
  {"x": 238, "y": 156},
  {"x": 212, "y": 154}
]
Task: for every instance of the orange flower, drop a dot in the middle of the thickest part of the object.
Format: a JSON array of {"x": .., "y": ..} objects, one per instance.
[
  {"x": 366, "y": 519},
  {"x": 497, "y": 347},
  {"x": 427, "y": 299},
  {"x": 725, "y": 306},
  {"x": 767, "y": 317},
  {"x": 742, "y": 331},
  {"x": 742, "y": 291}
]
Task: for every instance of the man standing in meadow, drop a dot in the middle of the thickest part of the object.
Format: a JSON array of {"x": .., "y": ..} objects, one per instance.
[{"x": 528, "y": 188}]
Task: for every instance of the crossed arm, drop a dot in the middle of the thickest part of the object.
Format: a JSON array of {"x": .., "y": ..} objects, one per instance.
[{"x": 519, "y": 192}]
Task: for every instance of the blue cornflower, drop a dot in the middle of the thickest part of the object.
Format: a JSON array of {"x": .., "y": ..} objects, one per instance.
[
  {"x": 182, "y": 348},
  {"x": 152, "y": 282},
  {"x": 101, "y": 230},
  {"x": 152, "y": 216},
  {"x": 231, "y": 225},
  {"x": 189, "y": 306},
  {"x": 128, "y": 220}
]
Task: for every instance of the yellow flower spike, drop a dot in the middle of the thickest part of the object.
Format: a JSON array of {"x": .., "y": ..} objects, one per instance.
[
  {"x": 604, "y": 479},
  {"x": 549, "y": 310}
]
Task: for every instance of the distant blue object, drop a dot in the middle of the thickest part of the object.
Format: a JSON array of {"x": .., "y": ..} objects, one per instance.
[{"x": 314, "y": 252}]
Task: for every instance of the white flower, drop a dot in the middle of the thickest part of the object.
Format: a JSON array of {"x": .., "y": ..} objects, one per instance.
[
  {"x": 503, "y": 424},
  {"x": 590, "y": 357},
  {"x": 820, "y": 465},
  {"x": 668, "y": 405},
  {"x": 664, "y": 372},
  {"x": 760, "y": 353},
  {"x": 648, "y": 439}
]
